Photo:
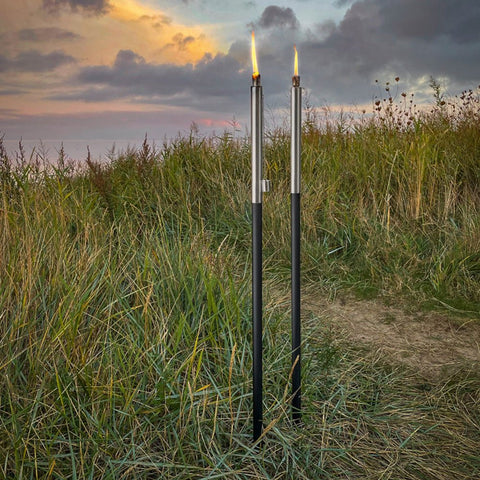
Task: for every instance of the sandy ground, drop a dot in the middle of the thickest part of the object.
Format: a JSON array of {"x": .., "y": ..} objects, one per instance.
[{"x": 430, "y": 342}]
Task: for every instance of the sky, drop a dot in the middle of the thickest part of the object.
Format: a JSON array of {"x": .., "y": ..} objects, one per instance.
[{"x": 103, "y": 71}]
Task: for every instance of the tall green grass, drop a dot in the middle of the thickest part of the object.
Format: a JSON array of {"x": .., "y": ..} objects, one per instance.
[{"x": 125, "y": 338}]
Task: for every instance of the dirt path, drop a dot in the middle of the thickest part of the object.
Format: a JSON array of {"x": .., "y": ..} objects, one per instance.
[{"x": 432, "y": 343}]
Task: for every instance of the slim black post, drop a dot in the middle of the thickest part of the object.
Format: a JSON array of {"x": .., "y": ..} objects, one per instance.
[
  {"x": 296, "y": 339},
  {"x": 257, "y": 319}
]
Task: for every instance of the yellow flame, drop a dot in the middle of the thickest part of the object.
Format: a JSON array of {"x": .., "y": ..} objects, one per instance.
[
  {"x": 255, "y": 73},
  {"x": 295, "y": 70}
]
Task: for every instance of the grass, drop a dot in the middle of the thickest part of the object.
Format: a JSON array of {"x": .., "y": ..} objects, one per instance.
[{"x": 125, "y": 344}]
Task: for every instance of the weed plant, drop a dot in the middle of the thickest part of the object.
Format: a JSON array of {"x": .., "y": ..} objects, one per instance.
[{"x": 125, "y": 344}]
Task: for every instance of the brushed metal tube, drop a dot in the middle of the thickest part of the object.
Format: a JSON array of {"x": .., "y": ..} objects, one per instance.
[
  {"x": 256, "y": 98},
  {"x": 296, "y": 140}
]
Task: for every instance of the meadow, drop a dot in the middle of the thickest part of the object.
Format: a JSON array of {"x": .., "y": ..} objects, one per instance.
[{"x": 125, "y": 327}]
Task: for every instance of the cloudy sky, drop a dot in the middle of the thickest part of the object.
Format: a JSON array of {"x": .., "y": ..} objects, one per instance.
[{"x": 117, "y": 69}]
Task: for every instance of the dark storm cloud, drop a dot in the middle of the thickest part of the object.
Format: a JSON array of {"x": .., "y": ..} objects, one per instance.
[
  {"x": 88, "y": 6},
  {"x": 34, "y": 61},
  {"x": 457, "y": 20},
  {"x": 406, "y": 27},
  {"x": 274, "y": 16},
  {"x": 381, "y": 38},
  {"x": 214, "y": 79},
  {"x": 46, "y": 34},
  {"x": 215, "y": 76}
]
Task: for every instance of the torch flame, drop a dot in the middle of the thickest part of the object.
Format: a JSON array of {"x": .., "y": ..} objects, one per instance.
[
  {"x": 296, "y": 62},
  {"x": 255, "y": 73}
]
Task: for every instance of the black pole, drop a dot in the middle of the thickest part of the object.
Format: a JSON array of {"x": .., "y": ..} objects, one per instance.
[
  {"x": 257, "y": 319},
  {"x": 296, "y": 339}
]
